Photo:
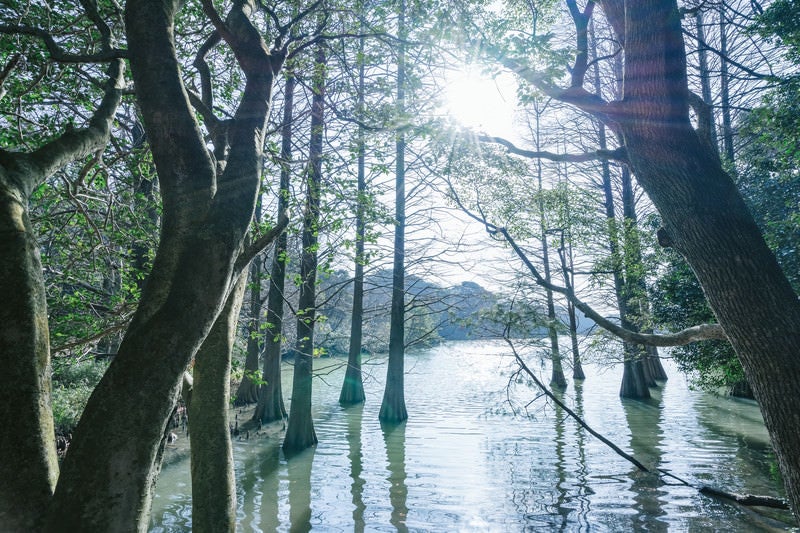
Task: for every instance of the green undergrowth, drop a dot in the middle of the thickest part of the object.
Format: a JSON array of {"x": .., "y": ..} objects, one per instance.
[{"x": 73, "y": 383}]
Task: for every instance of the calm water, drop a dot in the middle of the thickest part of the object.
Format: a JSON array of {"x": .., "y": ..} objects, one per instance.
[{"x": 479, "y": 455}]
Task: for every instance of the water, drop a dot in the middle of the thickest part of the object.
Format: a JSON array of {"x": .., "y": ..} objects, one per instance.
[{"x": 479, "y": 454}]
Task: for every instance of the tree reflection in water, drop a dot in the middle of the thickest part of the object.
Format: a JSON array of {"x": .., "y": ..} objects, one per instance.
[
  {"x": 299, "y": 472},
  {"x": 394, "y": 435},
  {"x": 354, "y": 416}
]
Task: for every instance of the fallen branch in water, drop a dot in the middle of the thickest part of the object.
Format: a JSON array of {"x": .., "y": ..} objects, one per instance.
[
  {"x": 741, "y": 499},
  {"x": 570, "y": 412},
  {"x": 747, "y": 499}
]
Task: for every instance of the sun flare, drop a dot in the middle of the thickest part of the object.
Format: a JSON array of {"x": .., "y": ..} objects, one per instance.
[{"x": 479, "y": 102}]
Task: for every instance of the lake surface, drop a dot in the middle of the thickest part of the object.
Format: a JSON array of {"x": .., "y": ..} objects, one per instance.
[{"x": 482, "y": 451}]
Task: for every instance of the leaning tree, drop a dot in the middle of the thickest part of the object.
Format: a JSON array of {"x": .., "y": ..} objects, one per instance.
[{"x": 703, "y": 214}]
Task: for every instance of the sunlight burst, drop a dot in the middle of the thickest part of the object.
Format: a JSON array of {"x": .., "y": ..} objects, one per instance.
[{"x": 479, "y": 102}]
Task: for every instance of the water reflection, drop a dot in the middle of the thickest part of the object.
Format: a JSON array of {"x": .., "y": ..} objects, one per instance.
[
  {"x": 268, "y": 464},
  {"x": 299, "y": 472},
  {"x": 643, "y": 418},
  {"x": 480, "y": 468},
  {"x": 562, "y": 486},
  {"x": 394, "y": 437},
  {"x": 582, "y": 501},
  {"x": 354, "y": 415}
]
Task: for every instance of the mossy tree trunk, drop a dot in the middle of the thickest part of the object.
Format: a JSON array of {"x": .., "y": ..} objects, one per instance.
[
  {"x": 213, "y": 483},
  {"x": 108, "y": 475}
]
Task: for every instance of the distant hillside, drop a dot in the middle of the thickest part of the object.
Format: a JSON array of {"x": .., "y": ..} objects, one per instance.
[{"x": 433, "y": 313}]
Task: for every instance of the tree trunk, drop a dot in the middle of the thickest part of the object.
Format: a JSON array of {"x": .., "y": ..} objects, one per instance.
[
  {"x": 393, "y": 408},
  {"x": 725, "y": 100},
  {"x": 108, "y": 475},
  {"x": 557, "y": 378},
  {"x": 247, "y": 392},
  {"x": 270, "y": 399},
  {"x": 353, "y": 386},
  {"x": 213, "y": 484},
  {"x": 300, "y": 431},
  {"x": 577, "y": 367},
  {"x": 633, "y": 380},
  {"x": 706, "y": 220},
  {"x": 27, "y": 445},
  {"x": 635, "y": 286}
]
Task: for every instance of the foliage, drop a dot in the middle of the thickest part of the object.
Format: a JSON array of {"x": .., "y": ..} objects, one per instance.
[
  {"x": 769, "y": 177},
  {"x": 678, "y": 302},
  {"x": 73, "y": 383}
]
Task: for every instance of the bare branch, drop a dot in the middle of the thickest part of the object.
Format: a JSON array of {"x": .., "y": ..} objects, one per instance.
[
  {"x": 680, "y": 338},
  {"x": 569, "y": 411},
  {"x": 618, "y": 154},
  {"x": 57, "y": 53}
]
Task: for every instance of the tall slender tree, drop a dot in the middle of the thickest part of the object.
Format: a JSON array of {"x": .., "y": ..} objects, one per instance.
[
  {"x": 353, "y": 386},
  {"x": 270, "y": 400},
  {"x": 393, "y": 408},
  {"x": 300, "y": 432}
]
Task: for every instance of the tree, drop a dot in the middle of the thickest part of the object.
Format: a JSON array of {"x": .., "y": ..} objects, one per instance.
[
  {"x": 704, "y": 216},
  {"x": 27, "y": 442},
  {"x": 353, "y": 386},
  {"x": 270, "y": 400},
  {"x": 557, "y": 379},
  {"x": 300, "y": 431},
  {"x": 208, "y": 204},
  {"x": 393, "y": 407},
  {"x": 247, "y": 392}
]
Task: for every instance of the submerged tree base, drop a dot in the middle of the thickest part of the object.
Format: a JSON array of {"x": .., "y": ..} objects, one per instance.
[
  {"x": 393, "y": 409},
  {"x": 634, "y": 382}
]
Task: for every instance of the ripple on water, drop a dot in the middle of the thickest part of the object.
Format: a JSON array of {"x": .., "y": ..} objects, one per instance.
[{"x": 464, "y": 462}]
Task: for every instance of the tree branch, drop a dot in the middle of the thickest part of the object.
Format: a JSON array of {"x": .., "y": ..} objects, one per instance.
[
  {"x": 74, "y": 144},
  {"x": 254, "y": 248},
  {"x": 569, "y": 411},
  {"x": 57, "y": 53},
  {"x": 11, "y": 65},
  {"x": 680, "y": 338},
  {"x": 618, "y": 154}
]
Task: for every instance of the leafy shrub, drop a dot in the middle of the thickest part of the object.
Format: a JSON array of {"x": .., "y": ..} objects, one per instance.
[{"x": 73, "y": 383}]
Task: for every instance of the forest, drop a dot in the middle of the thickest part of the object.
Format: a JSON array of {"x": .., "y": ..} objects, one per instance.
[{"x": 208, "y": 208}]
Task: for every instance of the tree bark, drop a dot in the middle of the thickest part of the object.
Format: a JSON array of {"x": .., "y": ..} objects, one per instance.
[
  {"x": 213, "y": 484},
  {"x": 393, "y": 407},
  {"x": 247, "y": 392},
  {"x": 557, "y": 378},
  {"x": 353, "y": 386},
  {"x": 270, "y": 399}
]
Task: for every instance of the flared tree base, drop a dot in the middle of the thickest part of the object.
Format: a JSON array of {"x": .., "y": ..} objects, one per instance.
[
  {"x": 352, "y": 388},
  {"x": 634, "y": 382},
  {"x": 393, "y": 410}
]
